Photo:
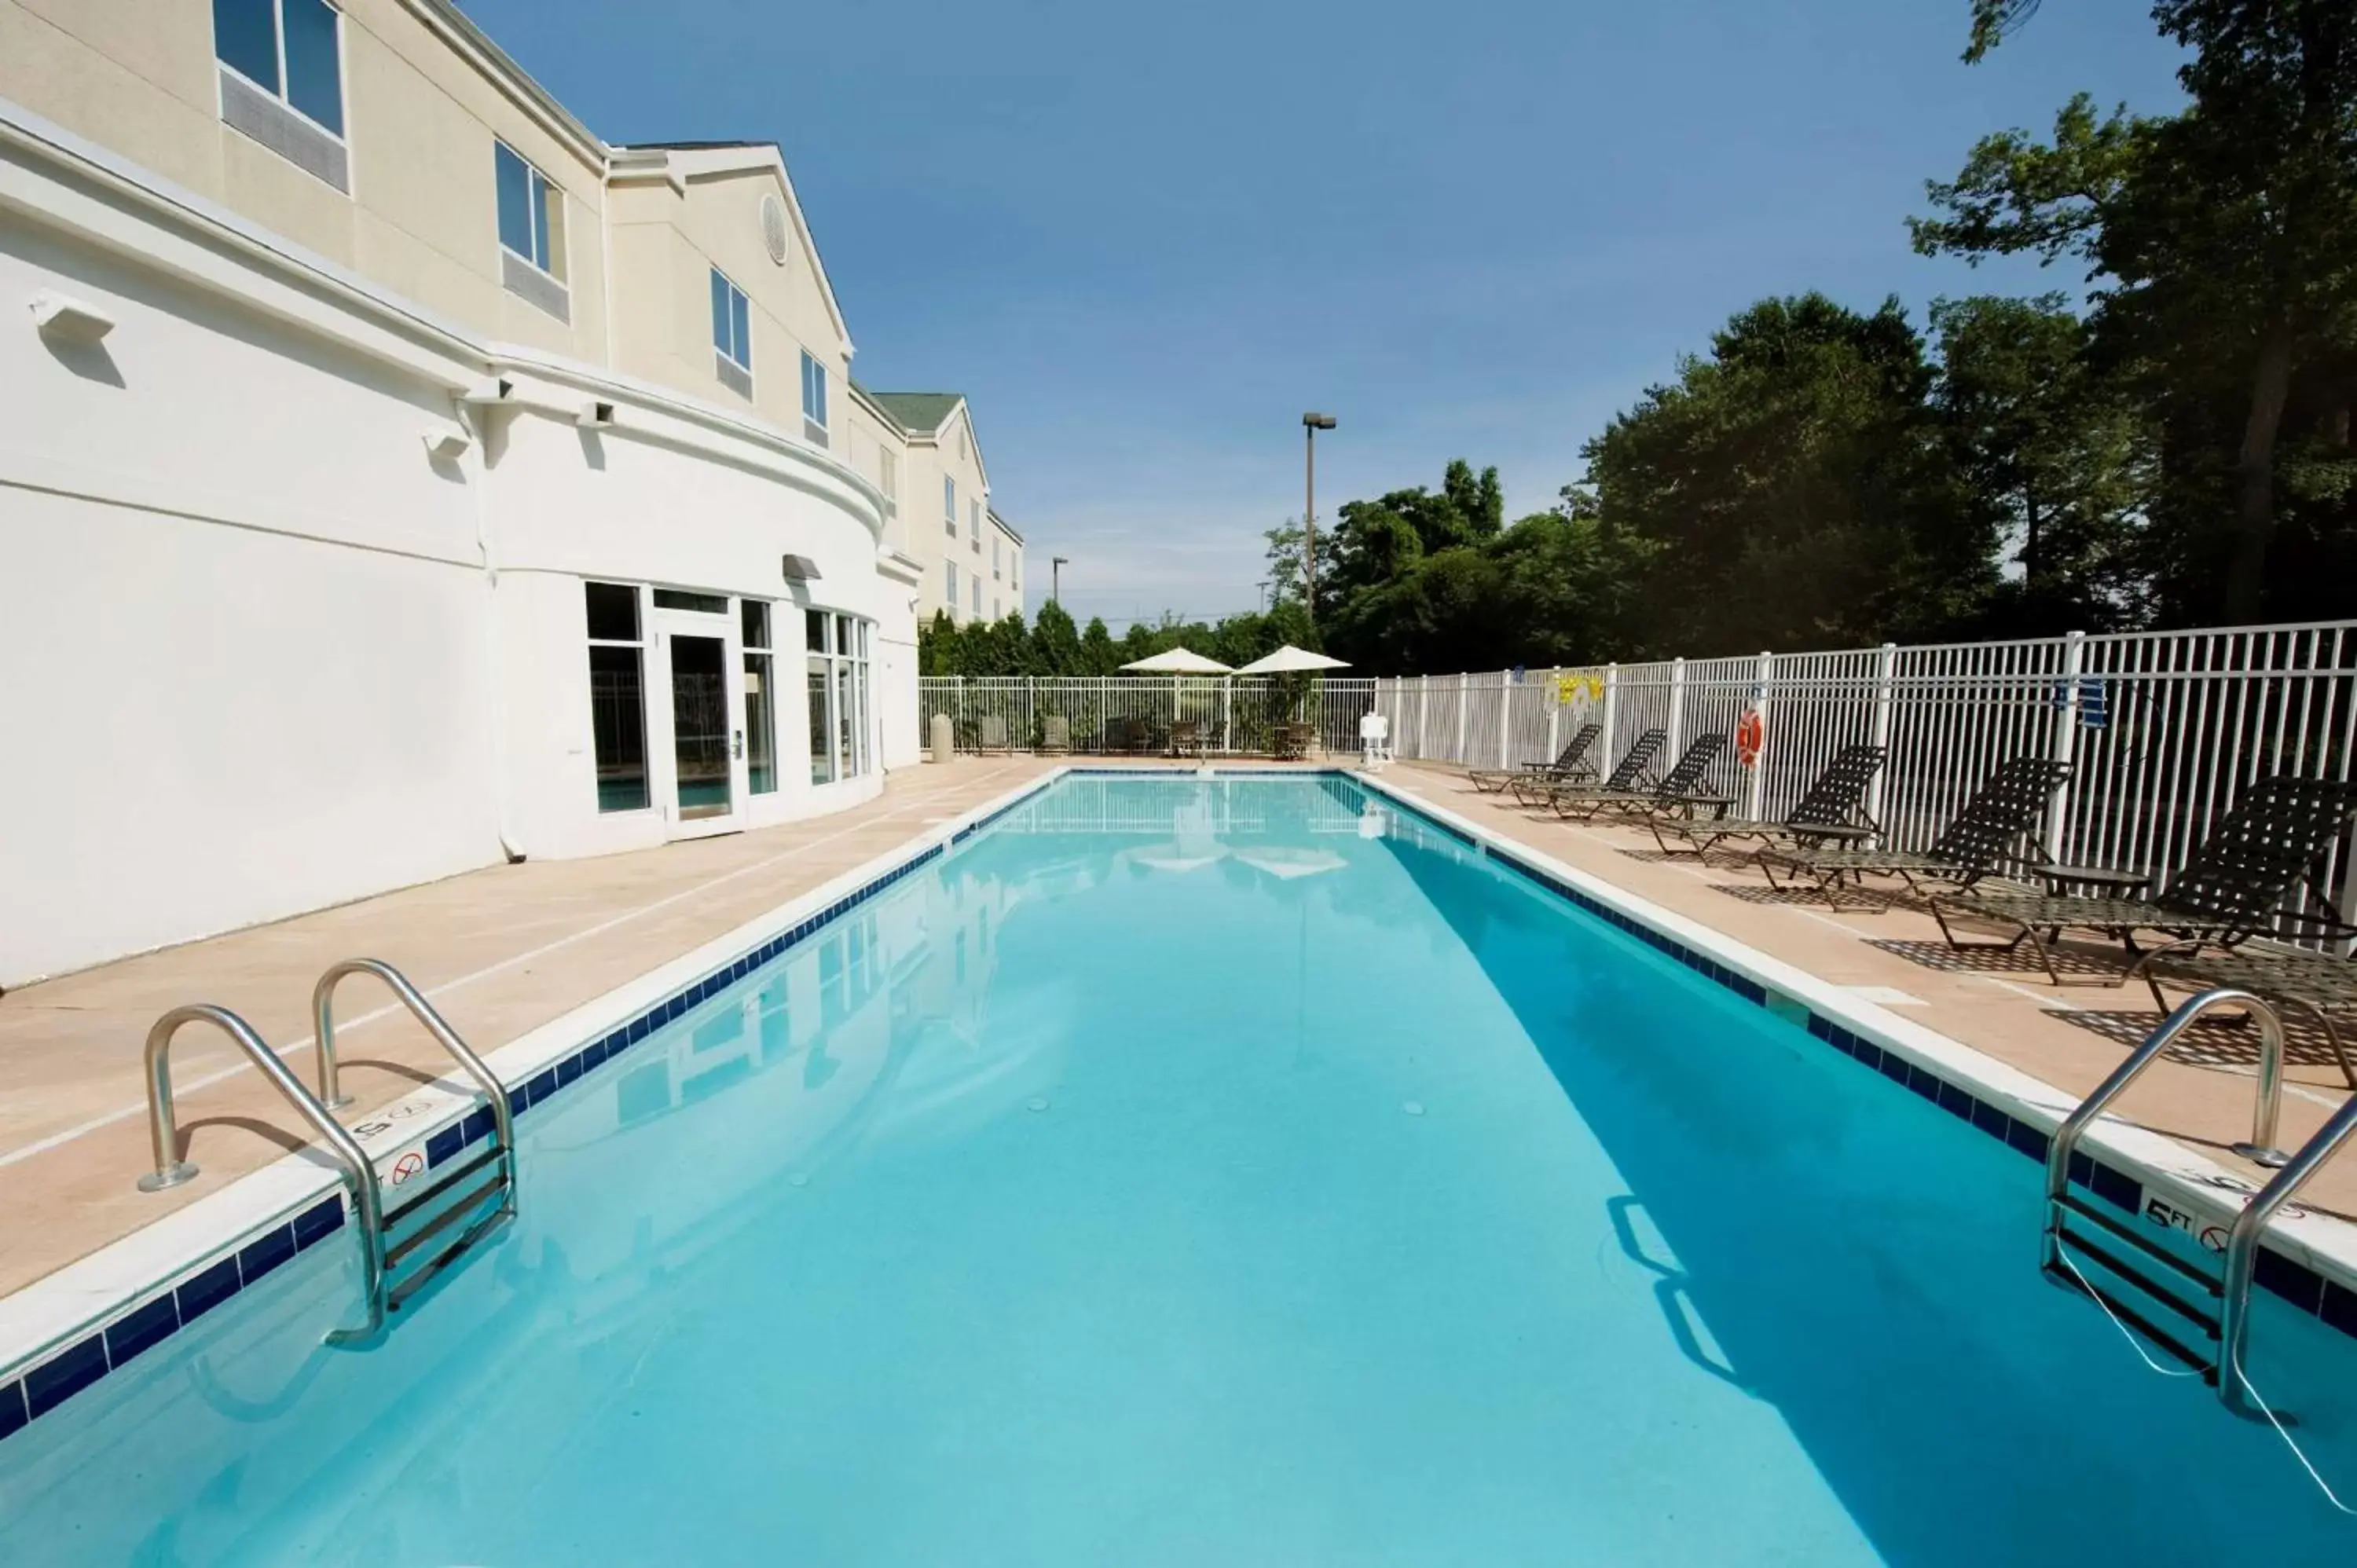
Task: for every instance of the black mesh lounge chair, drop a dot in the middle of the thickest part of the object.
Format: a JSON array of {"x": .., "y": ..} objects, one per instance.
[
  {"x": 2315, "y": 983},
  {"x": 1680, "y": 789},
  {"x": 1569, "y": 767},
  {"x": 1831, "y": 812},
  {"x": 1632, "y": 773},
  {"x": 2003, "y": 813},
  {"x": 2232, "y": 889}
]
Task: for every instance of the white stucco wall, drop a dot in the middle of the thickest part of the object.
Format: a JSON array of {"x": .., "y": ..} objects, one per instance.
[{"x": 263, "y": 653}]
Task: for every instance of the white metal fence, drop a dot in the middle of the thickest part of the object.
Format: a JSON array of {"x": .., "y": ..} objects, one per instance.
[
  {"x": 2162, "y": 729},
  {"x": 1133, "y": 714}
]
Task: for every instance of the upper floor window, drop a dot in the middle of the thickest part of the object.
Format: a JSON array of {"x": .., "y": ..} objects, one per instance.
[
  {"x": 732, "y": 334},
  {"x": 994, "y": 558},
  {"x": 888, "y": 479},
  {"x": 532, "y": 233},
  {"x": 814, "y": 398},
  {"x": 949, "y": 505},
  {"x": 949, "y": 574},
  {"x": 532, "y": 212},
  {"x": 284, "y": 80}
]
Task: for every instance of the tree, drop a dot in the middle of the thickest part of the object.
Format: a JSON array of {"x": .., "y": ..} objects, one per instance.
[
  {"x": 2055, "y": 453},
  {"x": 1056, "y": 643},
  {"x": 2222, "y": 236},
  {"x": 1792, "y": 490},
  {"x": 1099, "y": 654}
]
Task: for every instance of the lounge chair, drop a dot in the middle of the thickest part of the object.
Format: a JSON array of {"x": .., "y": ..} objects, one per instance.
[
  {"x": 990, "y": 732},
  {"x": 1056, "y": 732},
  {"x": 1570, "y": 765},
  {"x": 1831, "y": 812},
  {"x": 2311, "y": 983},
  {"x": 2001, "y": 815},
  {"x": 1679, "y": 792},
  {"x": 2232, "y": 889},
  {"x": 1631, "y": 775}
]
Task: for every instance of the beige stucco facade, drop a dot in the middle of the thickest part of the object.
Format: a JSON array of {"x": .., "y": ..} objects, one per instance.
[{"x": 972, "y": 560}]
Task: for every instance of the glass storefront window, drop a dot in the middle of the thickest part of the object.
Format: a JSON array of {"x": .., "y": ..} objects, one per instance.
[{"x": 618, "y": 699}]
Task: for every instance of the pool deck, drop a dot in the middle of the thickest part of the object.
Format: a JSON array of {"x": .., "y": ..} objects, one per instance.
[{"x": 507, "y": 949}]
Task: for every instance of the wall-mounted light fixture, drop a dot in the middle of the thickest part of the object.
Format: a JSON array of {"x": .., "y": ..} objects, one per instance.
[{"x": 65, "y": 320}]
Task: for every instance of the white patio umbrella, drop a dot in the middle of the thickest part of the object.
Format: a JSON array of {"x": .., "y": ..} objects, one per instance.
[
  {"x": 1177, "y": 661},
  {"x": 1289, "y": 660}
]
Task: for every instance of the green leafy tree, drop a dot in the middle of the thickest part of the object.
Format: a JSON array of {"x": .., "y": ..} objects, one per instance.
[
  {"x": 1792, "y": 490},
  {"x": 1056, "y": 643},
  {"x": 2222, "y": 240},
  {"x": 1100, "y": 655},
  {"x": 2056, "y": 454}
]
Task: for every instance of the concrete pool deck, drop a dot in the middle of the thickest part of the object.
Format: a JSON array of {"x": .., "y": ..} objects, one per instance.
[{"x": 507, "y": 949}]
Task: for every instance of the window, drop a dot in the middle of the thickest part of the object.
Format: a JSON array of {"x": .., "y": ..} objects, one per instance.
[
  {"x": 949, "y": 504},
  {"x": 532, "y": 233},
  {"x": 681, "y": 599},
  {"x": 282, "y": 79},
  {"x": 814, "y": 399},
  {"x": 977, "y": 595},
  {"x": 618, "y": 706},
  {"x": 732, "y": 335},
  {"x": 974, "y": 522},
  {"x": 836, "y": 658},
  {"x": 760, "y": 703},
  {"x": 994, "y": 558},
  {"x": 951, "y": 598},
  {"x": 888, "y": 479},
  {"x": 997, "y": 607}
]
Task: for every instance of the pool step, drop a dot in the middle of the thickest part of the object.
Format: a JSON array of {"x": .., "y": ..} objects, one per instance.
[
  {"x": 2187, "y": 1331},
  {"x": 432, "y": 1212}
]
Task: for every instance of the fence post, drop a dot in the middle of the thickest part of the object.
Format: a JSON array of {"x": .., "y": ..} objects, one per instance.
[
  {"x": 2066, "y": 728},
  {"x": 1464, "y": 702},
  {"x": 959, "y": 733},
  {"x": 1611, "y": 715},
  {"x": 1759, "y": 768},
  {"x": 1506, "y": 716},
  {"x": 1678, "y": 712},
  {"x": 1886, "y": 682},
  {"x": 1422, "y": 702},
  {"x": 1553, "y": 711}
]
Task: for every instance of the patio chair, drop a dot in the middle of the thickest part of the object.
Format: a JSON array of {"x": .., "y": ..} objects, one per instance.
[
  {"x": 2232, "y": 889},
  {"x": 1631, "y": 775},
  {"x": 1570, "y": 765},
  {"x": 2315, "y": 983},
  {"x": 1056, "y": 732},
  {"x": 990, "y": 734},
  {"x": 1832, "y": 811},
  {"x": 1680, "y": 789},
  {"x": 1186, "y": 737},
  {"x": 2003, "y": 813}
]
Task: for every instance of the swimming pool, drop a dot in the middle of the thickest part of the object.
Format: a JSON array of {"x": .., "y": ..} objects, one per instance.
[{"x": 1189, "y": 1171}]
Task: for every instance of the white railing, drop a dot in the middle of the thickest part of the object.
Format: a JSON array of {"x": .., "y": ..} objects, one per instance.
[
  {"x": 2162, "y": 728},
  {"x": 1233, "y": 715}
]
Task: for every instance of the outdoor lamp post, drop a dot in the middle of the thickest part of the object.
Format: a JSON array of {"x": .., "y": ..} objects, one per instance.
[
  {"x": 1311, "y": 424},
  {"x": 1056, "y": 565}
]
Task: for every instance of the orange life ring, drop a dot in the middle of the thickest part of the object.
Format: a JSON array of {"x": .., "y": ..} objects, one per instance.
[{"x": 1750, "y": 730}]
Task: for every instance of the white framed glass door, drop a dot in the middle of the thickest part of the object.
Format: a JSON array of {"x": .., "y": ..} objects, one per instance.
[{"x": 702, "y": 770}]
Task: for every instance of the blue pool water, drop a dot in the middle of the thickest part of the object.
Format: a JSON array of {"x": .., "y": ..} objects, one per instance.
[{"x": 1204, "y": 1172}]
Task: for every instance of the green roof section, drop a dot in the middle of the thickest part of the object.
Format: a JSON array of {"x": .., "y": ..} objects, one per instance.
[{"x": 921, "y": 413}]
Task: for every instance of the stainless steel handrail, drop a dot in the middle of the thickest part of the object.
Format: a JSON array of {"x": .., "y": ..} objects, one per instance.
[
  {"x": 360, "y": 1175},
  {"x": 323, "y": 1025},
  {"x": 2260, "y": 1150},
  {"x": 2243, "y": 1245}
]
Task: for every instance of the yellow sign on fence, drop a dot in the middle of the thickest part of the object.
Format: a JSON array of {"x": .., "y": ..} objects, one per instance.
[{"x": 1569, "y": 684}]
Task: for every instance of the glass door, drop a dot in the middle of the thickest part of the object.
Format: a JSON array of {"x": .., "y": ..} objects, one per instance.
[
  {"x": 700, "y": 729},
  {"x": 703, "y": 690}
]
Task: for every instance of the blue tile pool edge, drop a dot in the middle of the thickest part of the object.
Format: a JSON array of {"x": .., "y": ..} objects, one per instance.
[
  {"x": 40, "y": 1379},
  {"x": 2138, "y": 1190}
]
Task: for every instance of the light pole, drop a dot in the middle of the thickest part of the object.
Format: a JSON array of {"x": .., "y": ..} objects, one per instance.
[
  {"x": 1056, "y": 565},
  {"x": 1311, "y": 424},
  {"x": 1261, "y": 602}
]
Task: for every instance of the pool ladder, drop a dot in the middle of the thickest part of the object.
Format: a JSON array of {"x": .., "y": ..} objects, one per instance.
[
  {"x": 2197, "y": 1316},
  {"x": 399, "y": 1251}
]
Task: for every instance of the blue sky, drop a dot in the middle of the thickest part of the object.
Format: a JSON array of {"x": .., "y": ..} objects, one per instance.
[{"x": 1144, "y": 240}]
